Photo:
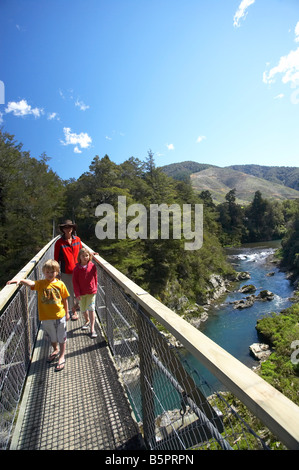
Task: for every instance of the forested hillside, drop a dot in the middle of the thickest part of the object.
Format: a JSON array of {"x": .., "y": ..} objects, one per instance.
[
  {"x": 276, "y": 183},
  {"x": 220, "y": 181},
  {"x": 33, "y": 199},
  {"x": 286, "y": 175},
  {"x": 182, "y": 171},
  {"x": 161, "y": 266}
]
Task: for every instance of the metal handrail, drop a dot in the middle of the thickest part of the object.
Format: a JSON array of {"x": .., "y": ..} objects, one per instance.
[
  {"x": 19, "y": 325},
  {"x": 274, "y": 409}
]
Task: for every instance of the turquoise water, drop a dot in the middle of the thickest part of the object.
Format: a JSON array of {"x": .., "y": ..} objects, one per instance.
[{"x": 233, "y": 329}]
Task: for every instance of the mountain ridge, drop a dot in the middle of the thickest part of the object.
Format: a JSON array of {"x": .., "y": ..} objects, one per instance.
[{"x": 275, "y": 183}]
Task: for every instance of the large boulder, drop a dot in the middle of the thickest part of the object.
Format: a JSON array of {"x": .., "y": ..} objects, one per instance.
[
  {"x": 244, "y": 303},
  {"x": 248, "y": 289},
  {"x": 242, "y": 276},
  {"x": 260, "y": 351},
  {"x": 265, "y": 295}
]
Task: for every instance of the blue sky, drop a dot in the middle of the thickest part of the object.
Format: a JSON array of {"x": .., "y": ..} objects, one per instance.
[{"x": 212, "y": 81}]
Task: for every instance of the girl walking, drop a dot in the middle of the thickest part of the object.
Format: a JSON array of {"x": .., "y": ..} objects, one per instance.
[{"x": 85, "y": 284}]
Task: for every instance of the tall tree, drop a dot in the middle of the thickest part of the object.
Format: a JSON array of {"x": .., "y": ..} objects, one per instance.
[
  {"x": 260, "y": 219},
  {"x": 290, "y": 243},
  {"x": 231, "y": 219},
  {"x": 32, "y": 197}
]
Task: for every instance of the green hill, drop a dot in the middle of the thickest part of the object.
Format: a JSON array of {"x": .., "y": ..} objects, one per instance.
[
  {"x": 181, "y": 171},
  {"x": 219, "y": 181},
  {"x": 286, "y": 175}
]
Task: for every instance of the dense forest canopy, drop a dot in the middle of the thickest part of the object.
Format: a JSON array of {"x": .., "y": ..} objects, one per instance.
[
  {"x": 33, "y": 200},
  {"x": 31, "y": 196}
]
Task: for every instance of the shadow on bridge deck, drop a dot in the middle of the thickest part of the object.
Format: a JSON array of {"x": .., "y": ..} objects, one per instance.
[{"x": 82, "y": 407}]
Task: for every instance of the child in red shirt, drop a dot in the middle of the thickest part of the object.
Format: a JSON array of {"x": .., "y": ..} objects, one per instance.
[{"x": 85, "y": 282}]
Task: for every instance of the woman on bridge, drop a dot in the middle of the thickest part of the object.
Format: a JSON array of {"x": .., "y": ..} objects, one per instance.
[{"x": 66, "y": 252}]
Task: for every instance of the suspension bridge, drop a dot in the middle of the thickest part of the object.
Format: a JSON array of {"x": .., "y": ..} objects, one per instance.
[{"x": 129, "y": 388}]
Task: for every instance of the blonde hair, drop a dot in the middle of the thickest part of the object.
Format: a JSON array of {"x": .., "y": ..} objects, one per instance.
[
  {"x": 51, "y": 264},
  {"x": 83, "y": 250}
]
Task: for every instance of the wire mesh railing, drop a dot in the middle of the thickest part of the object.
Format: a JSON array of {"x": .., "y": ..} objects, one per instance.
[
  {"x": 19, "y": 326},
  {"x": 174, "y": 406}
]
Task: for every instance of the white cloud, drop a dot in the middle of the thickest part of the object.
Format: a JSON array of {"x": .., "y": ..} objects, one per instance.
[
  {"x": 170, "y": 146},
  {"x": 82, "y": 140},
  {"x": 288, "y": 66},
  {"x": 22, "y": 108},
  {"x": 81, "y": 105},
  {"x": 52, "y": 116},
  {"x": 200, "y": 138},
  {"x": 20, "y": 28},
  {"x": 241, "y": 13},
  {"x": 68, "y": 95},
  {"x": 108, "y": 138},
  {"x": 279, "y": 97}
]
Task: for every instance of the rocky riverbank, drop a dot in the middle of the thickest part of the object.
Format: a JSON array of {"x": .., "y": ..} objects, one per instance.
[
  {"x": 263, "y": 275},
  {"x": 217, "y": 287}
]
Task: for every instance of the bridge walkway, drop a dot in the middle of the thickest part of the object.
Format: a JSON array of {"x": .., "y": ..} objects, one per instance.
[{"x": 82, "y": 407}]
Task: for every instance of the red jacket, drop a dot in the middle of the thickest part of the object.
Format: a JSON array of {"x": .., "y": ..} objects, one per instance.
[
  {"x": 85, "y": 279},
  {"x": 67, "y": 255}
]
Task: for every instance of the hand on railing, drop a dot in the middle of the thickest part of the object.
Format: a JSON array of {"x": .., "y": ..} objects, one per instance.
[{"x": 26, "y": 282}]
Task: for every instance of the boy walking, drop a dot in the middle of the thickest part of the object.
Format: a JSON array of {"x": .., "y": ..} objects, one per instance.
[{"x": 52, "y": 308}]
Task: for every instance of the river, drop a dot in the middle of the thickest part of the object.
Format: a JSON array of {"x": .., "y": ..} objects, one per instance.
[{"x": 232, "y": 329}]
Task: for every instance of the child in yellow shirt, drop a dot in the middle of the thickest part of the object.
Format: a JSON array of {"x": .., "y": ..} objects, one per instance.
[{"x": 52, "y": 308}]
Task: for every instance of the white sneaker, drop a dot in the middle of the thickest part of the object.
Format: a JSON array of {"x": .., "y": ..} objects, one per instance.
[
  {"x": 93, "y": 334},
  {"x": 86, "y": 326}
]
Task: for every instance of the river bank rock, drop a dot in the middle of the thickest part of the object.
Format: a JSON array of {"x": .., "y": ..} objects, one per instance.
[
  {"x": 242, "y": 276},
  {"x": 244, "y": 303},
  {"x": 260, "y": 351},
  {"x": 265, "y": 295},
  {"x": 248, "y": 289},
  {"x": 218, "y": 286}
]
